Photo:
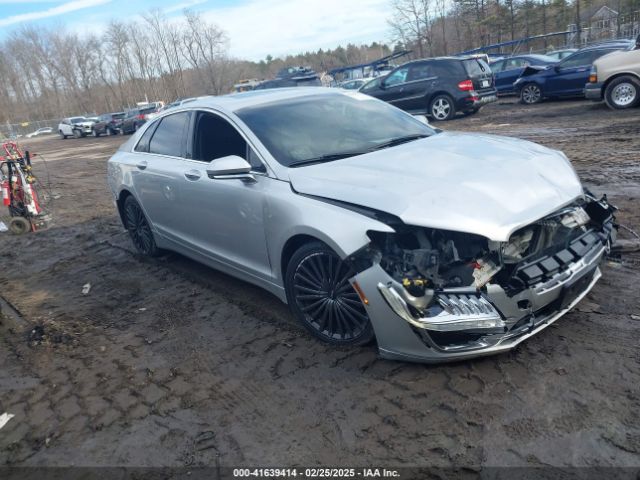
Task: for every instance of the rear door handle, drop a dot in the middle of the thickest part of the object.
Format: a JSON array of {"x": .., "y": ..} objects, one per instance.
[
  {"x": 142, "y": 164},
  {"x": 192, "y": 175}
]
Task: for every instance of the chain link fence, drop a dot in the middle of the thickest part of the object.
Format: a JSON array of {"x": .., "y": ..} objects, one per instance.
[{"x": 20, "y": 130}]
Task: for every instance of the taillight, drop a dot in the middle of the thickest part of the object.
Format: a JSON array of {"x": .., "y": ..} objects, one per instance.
[
  {"x": 466, "y": 85},
  {"x": 141, "y": 117}
]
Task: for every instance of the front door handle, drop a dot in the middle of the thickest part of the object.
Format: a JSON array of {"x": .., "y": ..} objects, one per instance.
[
  {"x": 192, "y": 175},
  {"x": 142, "y": 164}
]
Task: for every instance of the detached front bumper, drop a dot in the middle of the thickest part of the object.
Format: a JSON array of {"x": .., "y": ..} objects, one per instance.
[
  {"x": 593, "y": 91},
  {"x": 474, "y": 323}
]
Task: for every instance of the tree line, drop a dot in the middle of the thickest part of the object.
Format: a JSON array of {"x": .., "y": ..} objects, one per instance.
[
  {"x": 441, "y": 27},
  {"x": 52, "y": 73}
]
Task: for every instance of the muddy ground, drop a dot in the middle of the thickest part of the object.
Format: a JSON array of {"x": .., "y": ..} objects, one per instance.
[{"x": 169, "y": 363}]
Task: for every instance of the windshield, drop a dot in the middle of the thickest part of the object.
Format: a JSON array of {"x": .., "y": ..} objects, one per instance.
[
  {"x": 329, "y": 127},
  {"x": 77, "y": 119}
]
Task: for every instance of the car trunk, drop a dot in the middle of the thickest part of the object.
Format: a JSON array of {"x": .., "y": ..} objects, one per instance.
[{"x": 480, "y": 74}]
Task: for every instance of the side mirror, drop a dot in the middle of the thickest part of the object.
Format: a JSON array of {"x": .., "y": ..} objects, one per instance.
[{"x": 230, "y": 167}]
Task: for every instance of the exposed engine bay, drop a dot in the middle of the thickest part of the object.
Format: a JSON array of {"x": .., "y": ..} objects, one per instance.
[{"x": 427, "y": 261}]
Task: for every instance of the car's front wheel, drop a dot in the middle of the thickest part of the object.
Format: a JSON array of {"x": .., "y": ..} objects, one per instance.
[
  {"x": 623, "y": 92},
  {"x": 95, "y": 132},
  {"x": 62, "y": 135},
  {"x": 530, "y": 94},
  {"x": 322, "y": 298},
  {"x": 442, "y": 108},
  {"x": 139, "y": 228}
]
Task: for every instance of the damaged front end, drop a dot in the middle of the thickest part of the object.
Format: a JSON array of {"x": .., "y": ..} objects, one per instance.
[{"x": 464, "y": 295}]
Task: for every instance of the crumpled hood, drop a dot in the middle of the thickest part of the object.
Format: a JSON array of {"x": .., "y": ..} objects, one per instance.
[{"x": 483, "y": 184}]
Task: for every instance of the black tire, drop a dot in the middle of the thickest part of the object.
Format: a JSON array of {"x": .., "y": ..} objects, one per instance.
[
  {"x": 622, "y": 93},
  {"x": 62, "y": 135},
  {"x": 19, "y": 225},
  {"x": 322, "y": 299},
  {"x": 108, "y": 132},
  {"x": 530, "y": 94},
  {"x": 94, "y": 132},
  {"x": 442, "y": 108},
  {"x": 77, "y": 133},
  {"x": 139, "y": 228}
]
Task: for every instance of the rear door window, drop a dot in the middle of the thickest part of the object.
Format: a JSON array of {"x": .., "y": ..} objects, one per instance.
[
  {"x": 497, "y": 66},
  {"x": 419, "y": 71},
  {"x": 445, "y": 69},
  {"x": 169, "y": 137}
]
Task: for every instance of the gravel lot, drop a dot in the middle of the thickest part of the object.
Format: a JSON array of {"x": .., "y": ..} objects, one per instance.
[{"x": 168, "y": 363}]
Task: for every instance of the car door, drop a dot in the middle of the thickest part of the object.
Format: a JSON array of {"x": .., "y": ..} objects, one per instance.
[
  {"x": 66, "y": 127},
  {"x": 223, "y": 219},
  {"x": 511, "y": 70},
  {"x": 157, "y": 172},
  {"x": 415, "y": 91},
  {"x": 573, "y": 73},
  {"x": 392, "y": 87}
]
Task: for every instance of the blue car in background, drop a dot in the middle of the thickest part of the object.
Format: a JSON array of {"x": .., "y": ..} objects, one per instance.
[
  {"x": 566, "y": 78},
  {"x": 507, "y": 70}
]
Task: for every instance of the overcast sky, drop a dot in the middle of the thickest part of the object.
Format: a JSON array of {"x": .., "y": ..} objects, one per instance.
[{"x": 256, "y": 28}]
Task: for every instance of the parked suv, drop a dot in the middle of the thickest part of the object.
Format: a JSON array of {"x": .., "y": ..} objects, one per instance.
[
  {"x": 135, "y": 118},
  {"x": 438, "y": 87},
  {"x": 76, "y": 126},
  {"x": 616, "y": 80},
  {"x": 108, "y": 124}
]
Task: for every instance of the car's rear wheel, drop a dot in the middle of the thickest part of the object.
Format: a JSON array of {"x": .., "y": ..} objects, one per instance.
[
  {"x": 322, "y": 298},
  {"x": 530, "y": 94},
  {"x": 95, "y": 132},
  {"x": 139, "y": 228},
  {"x": 623, "y": 92},
  {"x": 442, "y": 108},
  {"x": 62, "y": 135},
  {"x": 108, "y": 132}
]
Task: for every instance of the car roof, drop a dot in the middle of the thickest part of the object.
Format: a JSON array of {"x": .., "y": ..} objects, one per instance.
[
  {"x": 538, "y": 56},
  {"x": 237, "y": 101},
  {"x": 607, "y": 46}
]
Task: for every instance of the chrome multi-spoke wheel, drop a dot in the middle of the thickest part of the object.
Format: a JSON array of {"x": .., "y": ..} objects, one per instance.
[
  {"x": 324, "y": 300},
  {"x": 442, "y": 108},
  {"x": 531, "y": 94},
  {"x": 139, "y": 229}
]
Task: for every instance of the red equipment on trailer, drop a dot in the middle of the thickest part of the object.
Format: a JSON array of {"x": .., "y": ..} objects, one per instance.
[{"x": 19, "y": 193}]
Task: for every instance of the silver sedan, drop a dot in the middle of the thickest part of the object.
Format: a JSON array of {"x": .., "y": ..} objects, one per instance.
[{"x": 366, "y": 221}]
